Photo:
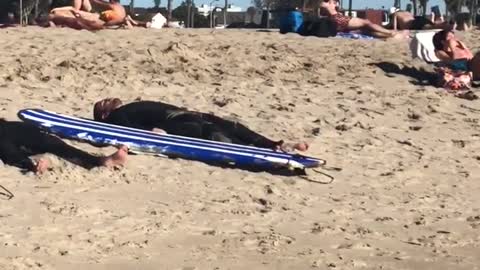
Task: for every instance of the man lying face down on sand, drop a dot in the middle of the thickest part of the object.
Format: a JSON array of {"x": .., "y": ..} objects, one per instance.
[
  {"x": 347, "y": 24},
  {"x": 165, "y": 118},
  {"x": 20, "y": 141},
  {"x": 404, "y": 20},
  {"x": 79, "y": 15}
]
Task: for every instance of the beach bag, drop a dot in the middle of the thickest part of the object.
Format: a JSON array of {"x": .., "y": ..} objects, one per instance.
[{"x": 291, "y": 22}]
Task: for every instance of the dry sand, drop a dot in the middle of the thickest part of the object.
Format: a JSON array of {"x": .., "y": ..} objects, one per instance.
[{"x": 407, "y": 196}]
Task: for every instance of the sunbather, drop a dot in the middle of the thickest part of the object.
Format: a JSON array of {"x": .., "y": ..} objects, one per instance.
[
  {"x": 114, "y": 14},
  {"x": 166, "y": 118},
  {"x": 404, "y": 20},
  {"x": 454, "y": 52},
  {"x": 19, "y": 141},
  {"x": 346, "y": 24}
]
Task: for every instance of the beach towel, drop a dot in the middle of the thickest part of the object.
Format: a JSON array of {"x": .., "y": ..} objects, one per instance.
[
  {"x": 453, "y": 80},
  {"x": 158, "y": 21},
  {"x": 422, "y": 46},
  {"x": 351, "y": 35}
]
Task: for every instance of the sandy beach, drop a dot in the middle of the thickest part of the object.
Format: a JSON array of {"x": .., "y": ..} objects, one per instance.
[{"x": 406, "y": 197}]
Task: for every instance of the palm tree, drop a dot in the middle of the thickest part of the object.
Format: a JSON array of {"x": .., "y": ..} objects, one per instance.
[
  {"x": 423, "y": 4},
  {"x": 225, "y": 14},
  {"x": 156, "y": 3},
  {"x": 132, "y": 7},
  {"x": 473, "y": 11},
  {"x": 169, "y": 11},
  {"x": 414, "y": 3}
]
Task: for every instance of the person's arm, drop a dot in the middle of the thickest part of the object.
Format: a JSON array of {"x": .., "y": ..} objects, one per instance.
[
  {"x": 443, "y": 56},
  {"x": 466, "y": 50},
  {"x": 102, "y": 3},
  {"x": 67, "y": 8}
]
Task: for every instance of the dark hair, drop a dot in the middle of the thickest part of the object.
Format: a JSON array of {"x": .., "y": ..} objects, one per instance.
[
  {"x": 439, "y": 38},
  {"x": 99, "y": 109}
]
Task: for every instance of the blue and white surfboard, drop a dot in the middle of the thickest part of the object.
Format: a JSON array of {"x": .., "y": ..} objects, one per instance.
[{"x": 165, "y": 144}]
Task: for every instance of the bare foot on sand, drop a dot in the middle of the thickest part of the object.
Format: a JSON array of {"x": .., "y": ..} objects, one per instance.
[
  {"x": 116, "y": 159},
  {"x": 401, "y": 35},
  {"x": 42, "y": 166},
  {"x": 291, "y": 147}
]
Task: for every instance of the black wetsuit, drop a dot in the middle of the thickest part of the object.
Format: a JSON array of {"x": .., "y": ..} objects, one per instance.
[
  {"x": 419, "y": 22},
  {"x": 20, "y": 140},
  {"x": 178, "y": 121}
]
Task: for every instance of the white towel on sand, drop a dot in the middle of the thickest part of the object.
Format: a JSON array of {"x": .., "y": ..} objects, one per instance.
[
  {"x": 422, "y": 46},
  {"x": 158, "y": 21}
]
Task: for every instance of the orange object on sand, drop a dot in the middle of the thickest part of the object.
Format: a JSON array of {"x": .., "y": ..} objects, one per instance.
[{"x": 109, "y": 15}]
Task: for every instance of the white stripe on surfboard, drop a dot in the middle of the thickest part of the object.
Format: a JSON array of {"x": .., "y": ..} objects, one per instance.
[
  {"x": 283, "y": 161},
  {"x": 145, "y": 132},
  {"x": 119, "y": 129}
]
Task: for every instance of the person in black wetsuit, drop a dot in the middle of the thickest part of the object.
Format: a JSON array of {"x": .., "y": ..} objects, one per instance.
[
  {"x": 19, "y": 141},
  {"x": 161, "y": 117}
]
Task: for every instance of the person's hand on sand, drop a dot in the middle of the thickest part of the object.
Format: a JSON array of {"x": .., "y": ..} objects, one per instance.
[
  {"x": 292, "y": 147},
  {"x": 41, "y": 165}
]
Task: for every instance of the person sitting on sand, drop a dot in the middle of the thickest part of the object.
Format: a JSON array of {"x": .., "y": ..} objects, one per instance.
[
  {"x": 404, "y": 20},
  {"x": 346, "y": 24},
  {"x": 19, "y": 141},
  {"x": 456, "y": 54},
  {"x": 114, "y": 14},
  {"x": 165, "y": 118}
]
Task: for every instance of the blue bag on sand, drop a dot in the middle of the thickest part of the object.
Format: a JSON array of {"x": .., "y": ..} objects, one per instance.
[{"x": 291, "y": 22}]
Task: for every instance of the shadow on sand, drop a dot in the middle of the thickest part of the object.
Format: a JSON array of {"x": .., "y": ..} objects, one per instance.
[{"x": 418, "y": 76}]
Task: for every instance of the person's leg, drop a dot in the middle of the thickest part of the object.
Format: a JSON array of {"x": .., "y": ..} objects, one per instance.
[
  {"x": 90, "y": 24},
  {"x": 64, "y": 21},
  {"x": 238, "y": 132},
  {"x": 46, "y": 143},
  {"x": 82, "y": 5},
  {"x": 63, "y": 11},
  {"x": 211, "y": 127},
  {"x": 437, "y": 25},
  {"x": 241, "y": 134},
  {"x": 370, "y": 28},
  {"x": 87, "y": 6},
  {"x": 78, "y": 23},
  {"x": 131, "y": 22},
  {"x": 13, "y": 155}
]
